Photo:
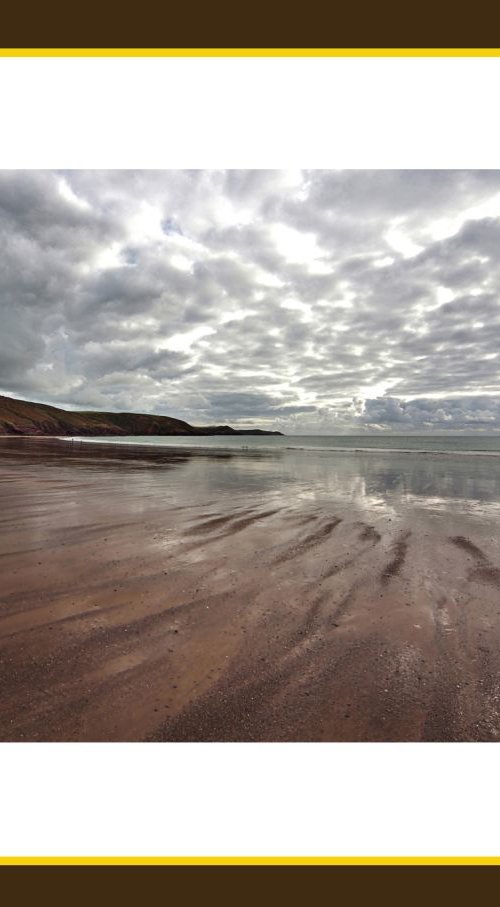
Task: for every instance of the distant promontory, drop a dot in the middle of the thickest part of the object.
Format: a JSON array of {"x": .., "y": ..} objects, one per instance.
[{"x": 20, "y": 417}]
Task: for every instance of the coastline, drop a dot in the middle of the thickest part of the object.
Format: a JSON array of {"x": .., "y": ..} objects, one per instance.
[
  {"x": 190, "y": 442},
  {"x": 137, "y": 605}
]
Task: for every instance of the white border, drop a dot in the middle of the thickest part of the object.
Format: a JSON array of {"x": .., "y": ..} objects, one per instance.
[
  {"x": 249, "y": 799},
  {"x": 241, "y": 112}
]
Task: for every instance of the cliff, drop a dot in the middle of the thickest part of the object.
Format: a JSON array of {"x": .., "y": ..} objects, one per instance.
[{"x": 20, "y": 417}]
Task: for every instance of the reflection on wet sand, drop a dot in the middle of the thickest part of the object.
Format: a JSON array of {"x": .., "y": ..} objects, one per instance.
[{"x": 283, "y": 595}]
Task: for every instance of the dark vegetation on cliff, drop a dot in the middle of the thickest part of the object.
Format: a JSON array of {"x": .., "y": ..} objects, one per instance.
[{"x": 20, "y": 417}]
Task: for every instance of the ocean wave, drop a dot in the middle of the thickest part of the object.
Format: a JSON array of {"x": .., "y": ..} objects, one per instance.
[{"x": 182, "y": 442}]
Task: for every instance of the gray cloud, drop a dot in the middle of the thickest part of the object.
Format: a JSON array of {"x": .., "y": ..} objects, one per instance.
[
  {"x": 317, "y": 301},
  {"x": 466, "y": 413}
]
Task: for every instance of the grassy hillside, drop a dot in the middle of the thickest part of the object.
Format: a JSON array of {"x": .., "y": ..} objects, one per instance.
[{"x": 20, "y": 417}]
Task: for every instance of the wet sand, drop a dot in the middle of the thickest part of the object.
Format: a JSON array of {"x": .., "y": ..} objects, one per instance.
[{"x": 138, "y": 603}]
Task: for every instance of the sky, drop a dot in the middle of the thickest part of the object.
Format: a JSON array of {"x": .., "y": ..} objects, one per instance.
[{"x": 311, "y": 302}]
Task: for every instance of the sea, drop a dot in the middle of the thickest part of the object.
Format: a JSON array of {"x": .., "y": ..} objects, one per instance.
[
  {"x": 386, "y": 471},
  {"x": 424, "y": 443}
]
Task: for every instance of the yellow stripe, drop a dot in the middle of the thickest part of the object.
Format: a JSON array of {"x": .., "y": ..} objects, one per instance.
[
  {"x": 250, "y": 52},
  {"x": 251, "y": 861}
]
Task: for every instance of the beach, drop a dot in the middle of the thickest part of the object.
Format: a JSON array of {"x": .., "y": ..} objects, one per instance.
[{"x": 209, "y": 594}]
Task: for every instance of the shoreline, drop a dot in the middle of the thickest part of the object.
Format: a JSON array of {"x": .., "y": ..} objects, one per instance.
[
  {"x": 159, "y": 595},
  {"x": 115, "y": 441}
]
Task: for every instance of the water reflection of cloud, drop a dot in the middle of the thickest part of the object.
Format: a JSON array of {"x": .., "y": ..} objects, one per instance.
[
  {"x": 387, "y": 481},
  {"x": 458, "y": 505}
]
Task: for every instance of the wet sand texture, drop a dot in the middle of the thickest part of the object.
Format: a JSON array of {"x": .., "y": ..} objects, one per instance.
[{"x": 134, "y": 607}]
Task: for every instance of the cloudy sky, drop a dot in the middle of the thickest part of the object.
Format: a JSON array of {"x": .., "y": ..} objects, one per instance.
[{"x": 310, "y": 302}]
